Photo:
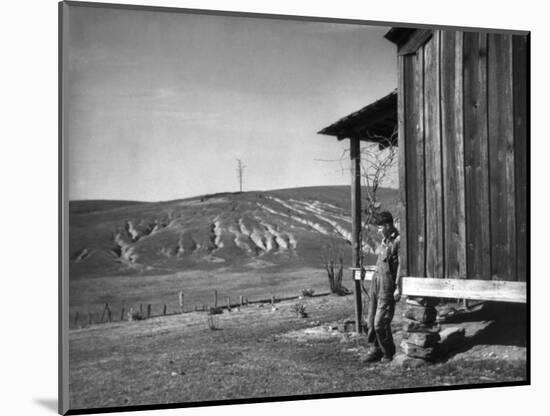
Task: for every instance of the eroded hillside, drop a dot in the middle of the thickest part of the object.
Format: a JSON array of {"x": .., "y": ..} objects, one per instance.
[{"x": 242, "y": 230}]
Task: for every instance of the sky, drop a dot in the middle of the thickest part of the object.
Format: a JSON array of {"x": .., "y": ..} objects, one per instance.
[{"x": 159, "y": 106}]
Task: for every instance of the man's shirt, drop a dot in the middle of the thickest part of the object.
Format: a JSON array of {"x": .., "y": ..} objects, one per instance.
[{"x": 388, "y": 255}]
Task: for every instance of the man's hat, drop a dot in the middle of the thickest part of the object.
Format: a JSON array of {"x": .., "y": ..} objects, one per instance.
[{"x": 383, "y": 217}]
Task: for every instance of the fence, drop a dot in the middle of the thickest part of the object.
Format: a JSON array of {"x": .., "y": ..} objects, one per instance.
[{"x": 147, "y": 311}]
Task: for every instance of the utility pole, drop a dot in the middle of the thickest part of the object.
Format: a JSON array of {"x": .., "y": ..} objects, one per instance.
[{"x": 240, "y": 169}]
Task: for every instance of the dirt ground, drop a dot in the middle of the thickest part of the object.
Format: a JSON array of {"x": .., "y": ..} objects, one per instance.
[{"x": 263, "y": 351}]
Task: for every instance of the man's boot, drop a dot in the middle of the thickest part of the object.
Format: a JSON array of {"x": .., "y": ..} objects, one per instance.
[
  {"x": 372, "y": 356},
  {"x": 386, "y": 359}
]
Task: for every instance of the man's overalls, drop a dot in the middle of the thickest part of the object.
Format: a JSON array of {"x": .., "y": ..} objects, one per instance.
[{"x": 382, "y": 303}]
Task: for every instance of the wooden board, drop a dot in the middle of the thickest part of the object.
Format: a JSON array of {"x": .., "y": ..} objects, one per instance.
[
  {"x": 419, "y": 156},
  {"x": 433, "y": 170},
  {"x": 452, "y": 139},
  {"x": 521, "y": 149},
  {"x": 415, "y": 41},
  {"x": 402, "y": 148},
  {"x": 365, "y": 274},
  {"x": 501, "y": 156},
  {"x": 490, "y": 290},
  {"x": 413, "y": 193},
  {"x": 476, "y": 170}
]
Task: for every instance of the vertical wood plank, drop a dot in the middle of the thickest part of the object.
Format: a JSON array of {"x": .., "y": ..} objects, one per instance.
[
  {"x": 420, "y": 162},
  {"x": 501, "y": 157},
  {"x": 432, "y": 129},
  {"x": 410, "y": 162},
  {"x": 402, "y": 144},
  {"x": 476, "y": 170},
  {"x": 452, "y": 141},
  {"x": 521, "y": 148},
  {"x": 414, "y": 133}
]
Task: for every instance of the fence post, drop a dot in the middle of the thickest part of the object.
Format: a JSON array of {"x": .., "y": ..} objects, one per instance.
[
  {"x": 109, "y": 314},
  {"x": 141, "y": 310},
  {"x": 148, "y": 311},
  {"x": 241, "y": 300},
  {"x": 131, "y": 315},
  {"x": 164, "y": 310},
  {"x": 122, "y": 314},
  {"x": 76, "y": 318},
  {"x": 272, "y": 300},
  {"x": 181, "y": 301},
  {"x": 215, "y": 298},
  {"x": 103, "y": 314},
  {"x": 89, "y": 318},
  {"x": 228, "y": 303}
]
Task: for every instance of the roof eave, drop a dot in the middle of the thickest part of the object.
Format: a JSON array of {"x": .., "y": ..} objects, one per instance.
[
  {"x": 399, "y": 35},
  {"x": 382, "y": 117}
]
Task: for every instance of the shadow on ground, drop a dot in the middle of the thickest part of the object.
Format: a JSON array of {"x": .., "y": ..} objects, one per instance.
[{"x": 507, "y": 326}]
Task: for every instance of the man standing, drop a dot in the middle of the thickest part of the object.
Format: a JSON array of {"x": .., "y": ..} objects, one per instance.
[{"x": 384, "y": 292}]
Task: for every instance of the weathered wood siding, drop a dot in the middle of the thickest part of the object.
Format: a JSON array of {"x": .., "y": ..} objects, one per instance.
[
  {"x": 452, "y": 140},
  {"x": 501, "y": 157},
  {"x": 476, "y": 157},
  {"x": 463, "y": 113},
  {"x": 404, "y": 261},
  {"x": 414, "y": 161},
  {"x": 520, "y": 67},
  {"x": 432, "y": 160}
]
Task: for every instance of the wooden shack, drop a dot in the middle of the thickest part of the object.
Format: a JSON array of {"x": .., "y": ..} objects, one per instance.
[
  {"x": 462, "y": 114},
  {"x": 463, "y": 127}
]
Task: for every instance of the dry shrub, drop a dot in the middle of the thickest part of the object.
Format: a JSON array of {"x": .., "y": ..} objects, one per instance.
[
  {"x": 307, "y": 293},
  {"x": 300, "y": 310}
]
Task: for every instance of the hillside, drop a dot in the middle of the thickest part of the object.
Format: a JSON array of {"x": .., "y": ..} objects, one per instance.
[
  {"x": 95, "y": 205},
  {"x": 235, "y": 231}
]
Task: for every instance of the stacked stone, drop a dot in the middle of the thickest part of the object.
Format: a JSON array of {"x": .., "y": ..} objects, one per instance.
[{"x": 423, "y": 333}]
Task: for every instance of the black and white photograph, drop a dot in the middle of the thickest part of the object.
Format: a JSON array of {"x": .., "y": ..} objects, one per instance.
[{"x": 261, "y": 207}]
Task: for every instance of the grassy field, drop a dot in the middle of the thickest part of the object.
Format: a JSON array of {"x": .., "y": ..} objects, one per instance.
[
  {"x": 257, "y": 351},
  {"x": 91, "y": 295}
]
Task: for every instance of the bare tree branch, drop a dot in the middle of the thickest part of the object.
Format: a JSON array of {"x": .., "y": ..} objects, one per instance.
[{"x": 375, "y": 167}]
